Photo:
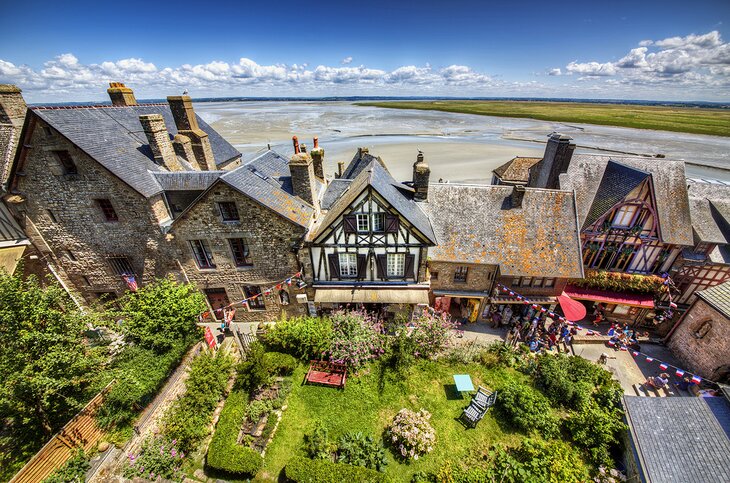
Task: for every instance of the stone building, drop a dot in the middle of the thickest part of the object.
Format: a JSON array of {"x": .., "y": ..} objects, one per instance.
[
  {"x": 701, "y": 338},
  {"x": 13, "y": 241},
  {"x": 12, "y": 115}
]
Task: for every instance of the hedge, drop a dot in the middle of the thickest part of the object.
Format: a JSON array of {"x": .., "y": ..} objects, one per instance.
[
  {"x": 224, "y": 452},
  {"x": 280, "y": 363},
  {"x": 304, "y": 470}
]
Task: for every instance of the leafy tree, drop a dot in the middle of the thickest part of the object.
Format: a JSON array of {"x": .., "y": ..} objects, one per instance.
[
  {"x": 161, "y": 313},
  {"x": 44, "y": 364},
  {"x": 526, "y": 409},
  {"x": 255, "y": 372},
  {"x": 596, "y": 429}
]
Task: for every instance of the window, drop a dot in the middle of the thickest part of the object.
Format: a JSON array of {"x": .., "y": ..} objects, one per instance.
[
  {"x": 549, "y": 283},
  {"x": 121, "y": 266},
  {"x": 396, "y": 264},
  {"x": 202, "y": 254},
  {"x": 363, "y": 223},
  {"x": 434, "y": 275},
  {"x": 624, "y": 215},
  {"x": 47, "y": 131},
  {"x": 348, "y": 265},
  {"x": 241, "y": 256},
  {"x": 460, "y": 274},
  {"x": 52, "y": 216},
  {"x": 70, "y": 255},
  {"x": 526, "y": 281},
  {"x": 621, "y": 310},
  {"x": 66, "y": 162},
  {"x": 283, "y": 297},
  {"x": 379, "y": 222},
  {"x": 108, "y": 210},
  {"x": 516, "y": 282},
  {"x": 702, "y": 329},
  {"x": 257, "y": 303},
  {"x": 228, "y": 210},
  {"x": 537, "y": 282},
  {"x": 86, "y": 280}
]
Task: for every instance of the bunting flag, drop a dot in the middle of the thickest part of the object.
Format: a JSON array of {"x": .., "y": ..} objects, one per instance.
[
  {"x": 624, "y": 348},
  {"x": 131, "y": 282},
  {"x": 229, "y": 315},
  {"x": 696, "y": 379},
  {"x": 590, "y": 332},
  {"x": 634, "y": 353},
  {"x": 663, "y": 366},
  {"x": 679, "y": 372},
  {"x": 611, "y": 343},
  {"x": 649, "y": 359}
]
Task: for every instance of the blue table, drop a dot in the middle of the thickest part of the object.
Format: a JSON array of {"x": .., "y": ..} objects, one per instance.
[{"x": 463, "y": 383}]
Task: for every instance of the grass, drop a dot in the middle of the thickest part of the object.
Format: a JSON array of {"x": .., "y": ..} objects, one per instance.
[
  {"x": 366, "y": 405},
  {"x": 664, "y": 118}
]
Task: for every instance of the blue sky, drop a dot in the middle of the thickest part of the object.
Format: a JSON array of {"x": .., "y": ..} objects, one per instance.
[{"x": 655, "y": 50}]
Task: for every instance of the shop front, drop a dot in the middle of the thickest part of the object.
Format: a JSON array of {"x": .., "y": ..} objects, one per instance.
[
  {"x": 463, "y": 306},
  {"x": 616, "y": 306},
  {"x": 504, "y": 309},
  {"x": 387, "y": 302}
]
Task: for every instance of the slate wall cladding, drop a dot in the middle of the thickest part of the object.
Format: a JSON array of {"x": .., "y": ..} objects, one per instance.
[
  {"x": 702, "y": 352},
  {"x": 269, "y": 237},
  {"x": 80, "y": 227}
]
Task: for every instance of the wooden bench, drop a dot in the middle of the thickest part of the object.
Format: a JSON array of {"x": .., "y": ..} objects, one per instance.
[{"x": 327, "y": 373}]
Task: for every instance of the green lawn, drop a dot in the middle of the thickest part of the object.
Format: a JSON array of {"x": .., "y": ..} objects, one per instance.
[
  {"x": 362, "y": 406},
  {"x": 664, "y": 118}
]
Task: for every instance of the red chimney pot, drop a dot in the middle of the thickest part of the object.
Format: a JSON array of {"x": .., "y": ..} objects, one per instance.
[
  {"x": 296, "y": 144},
  {"x": 316, "y": 142}
]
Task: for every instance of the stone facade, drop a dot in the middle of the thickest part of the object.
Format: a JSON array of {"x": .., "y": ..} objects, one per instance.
[
  {"x": 12, "y": 115},
  {"x": 701, "y": 341},
  {"x": 479, "y": 277},
  {"x": 271, "y": 242}
]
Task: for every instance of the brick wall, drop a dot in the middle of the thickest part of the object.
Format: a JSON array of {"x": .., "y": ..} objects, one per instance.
[
  {"x": 706, "y": 352},
  {"x": 269, "y": 238}
]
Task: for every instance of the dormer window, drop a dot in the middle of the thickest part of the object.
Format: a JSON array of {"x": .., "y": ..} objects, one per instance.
[
  {"x": 229, "y": 212},
  {"x": 624, "y": 216},
  {"x": 363, "y": 223},
  {"x": 68, "y": 165}
]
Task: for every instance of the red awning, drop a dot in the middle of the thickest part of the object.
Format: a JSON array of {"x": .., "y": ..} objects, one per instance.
[
  {"x": 632, "y": 299},
  {"x": 572, "y": 309}
]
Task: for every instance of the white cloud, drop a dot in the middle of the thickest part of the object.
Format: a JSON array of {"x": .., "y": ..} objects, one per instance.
[
  {"x": 347, "y": 60},
  {"x": 591, "y": 68},
  {"x": 555, "y": 71}
]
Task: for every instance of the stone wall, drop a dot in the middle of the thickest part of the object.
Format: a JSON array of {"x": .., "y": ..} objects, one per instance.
[
  {"x": 554, "y": 291},
  {"x": 480, "y": 277},
  {"x": 63, "y": 210},
  {"x": 12, "y": 115},
  {"x": 701, "y": 350},
  {"x": 270, "y": 239}
]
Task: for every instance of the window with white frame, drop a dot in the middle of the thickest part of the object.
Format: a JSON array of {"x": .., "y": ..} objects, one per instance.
[
  {"x": 378, "y": 222},
  {"x": 348, "y": 265},
  {"x": 624, "y": 215},
  {"x": 396, "y": 264},
  {"x": 363, "y": 223}
]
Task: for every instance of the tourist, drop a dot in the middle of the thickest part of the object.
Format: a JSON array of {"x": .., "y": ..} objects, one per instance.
[{"x": 658, "y": 382}]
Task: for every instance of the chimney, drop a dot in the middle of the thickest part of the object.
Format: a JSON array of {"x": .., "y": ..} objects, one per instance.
[
  {"x": 421, "y": 173},
  {"x": 295, "y": 142},
  {"x": 187, "y": 125},
  {"x": 302, "y": 176},
  {"x": 159, "y": 139},
  {"x": 184, "y": 148},
  {"x": 318, "y": 159},
  {"x": 121, "y": 95},
  {"x": 12, "y": 116},
  {"x": 340, "y": 168},
  {"x": 555, "y": 161},
  {"x": 518, "y": 193}
]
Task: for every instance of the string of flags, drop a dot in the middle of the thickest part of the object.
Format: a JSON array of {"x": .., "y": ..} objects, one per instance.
[
  {"x": 229, "y": 314},
  {"x": 130, "y": 281},
  {"x": 610, "y": 333}
]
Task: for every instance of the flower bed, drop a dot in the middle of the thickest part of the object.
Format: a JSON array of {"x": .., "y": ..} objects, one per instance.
[{"x": 620, "y": 282}]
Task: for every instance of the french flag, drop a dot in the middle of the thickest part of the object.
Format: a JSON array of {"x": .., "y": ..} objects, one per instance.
[
  {"x": 679, "y": 372},
  {"x": 672, "y": 305},
  {"x": 624, "y": 348},
  {"x": 649, "y": 359},
  {"x": 634, "y": 353},
  {"x": 611, "y": 343},
  {"x": 696, "y": 379},
  {"x": 663, "y": 366}
]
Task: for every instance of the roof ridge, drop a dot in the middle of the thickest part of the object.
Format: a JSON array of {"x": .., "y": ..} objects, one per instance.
[{"x": 94, "y": 106}]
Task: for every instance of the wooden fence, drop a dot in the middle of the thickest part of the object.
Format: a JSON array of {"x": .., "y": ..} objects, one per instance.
[{"x": 82, "y": 431}]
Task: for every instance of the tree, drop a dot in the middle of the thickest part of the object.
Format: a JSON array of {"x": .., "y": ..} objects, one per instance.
[
  {"x": 161, "y": 313},
  {"x": 44, "y": 364}
]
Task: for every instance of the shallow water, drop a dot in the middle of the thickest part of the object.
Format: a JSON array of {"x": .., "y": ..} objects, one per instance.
[{"x": 458, "y": 147}]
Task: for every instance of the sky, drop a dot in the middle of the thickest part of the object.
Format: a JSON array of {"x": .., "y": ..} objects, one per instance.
[{"x": 655, "y": 50}]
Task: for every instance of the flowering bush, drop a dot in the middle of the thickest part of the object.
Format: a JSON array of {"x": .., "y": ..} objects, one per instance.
[
  {"x": 411, "y": 433},
  {"x": 159, "y": 458},
  {"x": 356, "y": 338},
  {"x": 432, "y": 333}
]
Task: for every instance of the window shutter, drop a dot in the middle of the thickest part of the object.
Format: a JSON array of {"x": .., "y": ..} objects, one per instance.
[
  {"x": 408, "y": 270},
  {"x": 362, "y": 266},
  {"x": 382, "y": 264},
  {"x": 392, "y": 223},
  {"x": 349, "y": 223},
  {"x": 334, "y": 261}
]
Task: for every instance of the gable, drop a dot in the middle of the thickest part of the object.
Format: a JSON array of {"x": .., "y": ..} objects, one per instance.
[{"x": 617, "y": 183}]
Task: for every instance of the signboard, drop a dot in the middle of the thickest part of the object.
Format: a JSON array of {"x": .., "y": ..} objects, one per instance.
[
  {"x": 312, "y": 309},
  {"x": 210, "y": 338}
]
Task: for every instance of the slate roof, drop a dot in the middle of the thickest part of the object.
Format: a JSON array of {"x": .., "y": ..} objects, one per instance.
[
  {"x": 397, "y": 195},
  {"x": 476, "y": 224},
  {"x": 709, "y": 204},
  {"x": 718, "y": 297},
  {"x": 618, "y": 181},
  {"x": 186, "y": 180},
  {"x": 10, "y": 232},
  {"x": 680, "y": 439},
  {"x": 585, "y": 174},
  {"x": 114, "y": 137},
  {"x": 359, "y": 162},
  {"x": 516, "y": 169},
  {"x": 334, "y": 190}
]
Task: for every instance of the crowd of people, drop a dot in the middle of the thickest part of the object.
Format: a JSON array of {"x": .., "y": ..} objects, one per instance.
[{"x": 539, "y": 332}]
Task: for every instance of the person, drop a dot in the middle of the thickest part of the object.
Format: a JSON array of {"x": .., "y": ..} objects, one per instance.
[
  {"x": 535, "y": 344},
  {"x": 598, "y": 319},
  {"x": 659, "y": 382}
]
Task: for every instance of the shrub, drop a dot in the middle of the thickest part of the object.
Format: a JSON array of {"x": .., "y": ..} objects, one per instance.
[
  {"x": 256, "y": 409},
  {"x": 572, "y": 380},
  {"x": 621, "y": 282},
  {"x": 304, "y": 470},
  {"x": 356, "y": 338},
  {"x": 255, "y": 372},
  {"x": 303, "y": 337},
  {"x": 317, "y": 445},
  {"x": 159, "y": 314},
  {"x": 411, "y": 433},
  {"x": 188, "y": 418},
  {"x": 224, "y": 453},
  {"x": 432, "y": 333},
  {"x": 526, "y": 409},
  {"x": 159, "y": 458},
  {"x": 280, "y": 363},
  {"x": 358, "y": 450},
  {"x": 596, "y": 430},
  {"x": 73, "y": 471}
]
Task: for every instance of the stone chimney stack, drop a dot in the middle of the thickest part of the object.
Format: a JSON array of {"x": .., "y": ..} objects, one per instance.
[
  {"x": 121, "y": 95},
  {"x": 159, "y": 139},
  {"x": 187, "y": 125},
  {"x": 421, "y": 174},
  {"x": 340, "y": 168},
  {"x": 555, "y": 161},
  {"x": 318, "y": 159},
  {"x": 302, "y": 176},
  {"x": 518, "y": 193},
  {"x": 12, "y": 117}
]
